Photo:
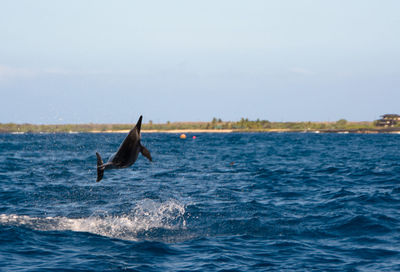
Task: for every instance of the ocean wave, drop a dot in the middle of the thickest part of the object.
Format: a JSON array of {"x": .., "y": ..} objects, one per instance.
[{"x": 148, "y": 215}]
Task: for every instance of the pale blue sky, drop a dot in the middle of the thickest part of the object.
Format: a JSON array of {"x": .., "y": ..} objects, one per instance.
[{"x": 110, "y": 61}]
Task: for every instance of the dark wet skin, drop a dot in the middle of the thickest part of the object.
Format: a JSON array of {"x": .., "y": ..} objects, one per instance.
[{"x": 126, "y": 154}]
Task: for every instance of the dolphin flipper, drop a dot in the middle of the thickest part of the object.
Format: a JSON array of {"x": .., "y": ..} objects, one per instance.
[
  {"x": 100, "y": 170},
  {"x": 145, "y": 152},
  {"x": 126, "y": 154}
]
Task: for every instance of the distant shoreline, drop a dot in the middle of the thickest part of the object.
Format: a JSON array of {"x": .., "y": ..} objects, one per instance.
[
  {"x": 172, "y": 131},
  {"x": 216, "y": 126},
  {"x": 222, "y": 131}
]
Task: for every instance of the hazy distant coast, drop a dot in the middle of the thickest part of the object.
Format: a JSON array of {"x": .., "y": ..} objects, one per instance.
[{"x": 215, "y": 126}]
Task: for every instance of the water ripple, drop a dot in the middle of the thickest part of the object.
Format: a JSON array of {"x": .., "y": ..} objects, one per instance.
[{"x": 231, "y": 202}]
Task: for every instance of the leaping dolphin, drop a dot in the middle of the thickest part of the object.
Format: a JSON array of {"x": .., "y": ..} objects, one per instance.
[{"x": 127, "y": 153}]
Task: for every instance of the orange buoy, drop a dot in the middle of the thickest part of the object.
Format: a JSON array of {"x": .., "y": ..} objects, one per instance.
[{"x": 183, "y": 136}]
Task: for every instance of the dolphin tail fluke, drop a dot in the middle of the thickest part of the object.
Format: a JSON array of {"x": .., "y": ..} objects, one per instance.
[
  {"x": 145, "y": 153},
  {"x": 100, "y": 170}
]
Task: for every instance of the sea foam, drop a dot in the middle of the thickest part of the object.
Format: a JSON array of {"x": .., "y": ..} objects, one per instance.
[{"x": 146, "y": 216}]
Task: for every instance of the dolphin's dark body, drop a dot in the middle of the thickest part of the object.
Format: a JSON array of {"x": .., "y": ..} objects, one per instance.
[{"x": 127, "y": 153}]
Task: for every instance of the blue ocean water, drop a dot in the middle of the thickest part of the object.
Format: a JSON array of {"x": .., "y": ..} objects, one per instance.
[{"x": 220, "y": 202}]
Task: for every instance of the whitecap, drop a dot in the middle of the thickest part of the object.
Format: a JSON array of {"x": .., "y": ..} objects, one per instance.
[{"x": 146, "y": 216}]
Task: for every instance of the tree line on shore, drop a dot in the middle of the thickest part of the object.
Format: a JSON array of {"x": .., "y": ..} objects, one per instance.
[{"x": 216, "y": 123}]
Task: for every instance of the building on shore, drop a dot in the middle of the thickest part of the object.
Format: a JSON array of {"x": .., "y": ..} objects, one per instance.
[{"x": 388, "y": 120}]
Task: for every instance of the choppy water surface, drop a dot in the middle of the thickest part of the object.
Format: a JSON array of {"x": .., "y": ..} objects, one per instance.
[{"x": 220, "y": 202}]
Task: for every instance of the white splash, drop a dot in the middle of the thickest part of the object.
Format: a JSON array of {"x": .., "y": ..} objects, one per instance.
[{"x": 147, "y": 215}]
